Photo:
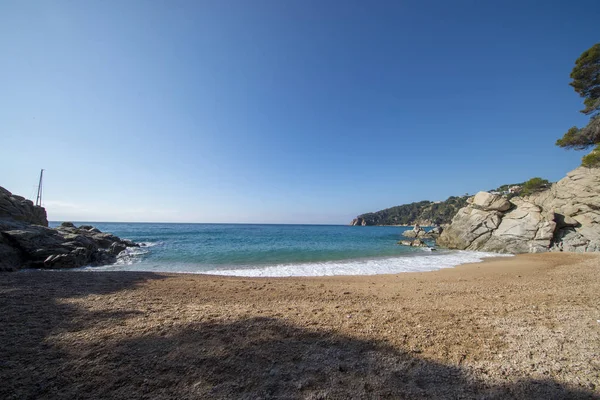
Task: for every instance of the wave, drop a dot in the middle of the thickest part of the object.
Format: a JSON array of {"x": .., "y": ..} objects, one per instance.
[
  {"x": 359, "y": 267},
  {"x": 149, "y": 244},
  {"x": 131, "y": 255}
]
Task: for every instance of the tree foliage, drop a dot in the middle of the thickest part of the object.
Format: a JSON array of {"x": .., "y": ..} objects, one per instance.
[
  {"x": 586, "y": 82},
  {"x": 586, "y": 79},
  {"x": 592, "y": 160},
  {"x": 581, "y": 139},
  {"x": 534, "y": 185},
  {"x": 422, "y": 212}
]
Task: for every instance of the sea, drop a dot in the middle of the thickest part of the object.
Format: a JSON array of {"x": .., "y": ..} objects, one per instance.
[{"x": 255, "y": 250}]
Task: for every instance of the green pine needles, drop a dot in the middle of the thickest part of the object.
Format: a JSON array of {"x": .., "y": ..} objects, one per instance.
[{"x": 586, "y": 82}]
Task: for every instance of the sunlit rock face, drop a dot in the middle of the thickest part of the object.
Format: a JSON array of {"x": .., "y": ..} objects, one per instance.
[{"x": 565, "y": 217}]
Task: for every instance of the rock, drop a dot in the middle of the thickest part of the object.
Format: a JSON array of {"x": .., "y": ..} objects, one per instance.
[
  {"x": 116, "y": 248},
  {"x": 414, "y": 232},
  {"x": 490, "y": 202},
  {"x": 359, "y": 222},
  {"x": 20, "y": 209},
  {"x": 27, "y": 244},
  {"x": 564, "y": 218},
  {"x": 470, "y": 228},
  {"x": 418, "y": 232},
  {"x": 413, "y": 243},
  {"x": 563, "y": 221},
  {"x": 10, "y": 257},
  {"x": 436, "y": 230},
  {"x": 418, "y": 243},
  {"x": 129, "y": 243}
]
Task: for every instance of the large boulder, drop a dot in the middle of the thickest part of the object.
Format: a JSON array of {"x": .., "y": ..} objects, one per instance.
[
  {"x": 575, "y": 200},
  {"x": 565, "y": 217},
  {"x": 470, "y": 228},
  {"x": 27, "y": 242},
  {"x": 416, "y": 231},
  {"x": 490, "y": 202},
  {"x": 19, "y": 208},
  {"x": 33, "y": 246}
]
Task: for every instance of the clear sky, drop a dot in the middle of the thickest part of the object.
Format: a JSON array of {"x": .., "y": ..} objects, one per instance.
[{"x": 282, "y": 111}]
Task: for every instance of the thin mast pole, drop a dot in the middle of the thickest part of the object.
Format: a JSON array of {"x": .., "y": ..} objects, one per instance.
[{"x": 38, "y": 200}]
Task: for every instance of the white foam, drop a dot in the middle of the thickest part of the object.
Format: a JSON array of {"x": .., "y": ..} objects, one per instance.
[
  {"x": 148, "y": 244},
  {"x": 360, "y": 267},
  {"x": 131, "y": 255}
]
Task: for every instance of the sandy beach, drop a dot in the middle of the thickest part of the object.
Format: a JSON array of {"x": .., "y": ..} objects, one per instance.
[{"x": 520, "y": 327}]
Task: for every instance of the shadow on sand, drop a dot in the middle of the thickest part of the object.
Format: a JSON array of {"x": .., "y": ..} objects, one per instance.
[{"x": 248, "y": 358}]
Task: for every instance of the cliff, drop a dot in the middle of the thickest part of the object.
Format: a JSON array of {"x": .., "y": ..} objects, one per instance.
[
  {"x": 20, "y": 209},
  {"x": 27, "y": 242},
  {"x": 564, "y": 217},
  {"x": 422, "y": 213}
]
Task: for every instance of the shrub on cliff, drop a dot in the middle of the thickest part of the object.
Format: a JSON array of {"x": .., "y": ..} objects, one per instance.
[
  {"x": 586, "y": 82},
  {"x": 592, "y": 160},
  {"x": 534, "y": 185}
]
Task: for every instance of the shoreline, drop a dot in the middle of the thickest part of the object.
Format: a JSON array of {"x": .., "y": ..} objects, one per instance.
[
  {"x": 522, "y": 326},
  {"x": 368, "y": 266}
]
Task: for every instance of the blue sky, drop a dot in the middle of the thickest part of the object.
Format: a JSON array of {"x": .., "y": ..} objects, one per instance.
[{"x": 282, "y": 111}]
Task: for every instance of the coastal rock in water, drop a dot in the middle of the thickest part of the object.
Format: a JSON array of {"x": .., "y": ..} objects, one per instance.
[
  {"x": 417, "y": 231},
  {"x": 413, "y": 243},
  {"x": 359, "y": 222},
  {"x": 27, "y": 242},
  {"x": 418, "y": 243},
  {"x": 436, "y": 230},
  {"x": 565, "y": 217}
]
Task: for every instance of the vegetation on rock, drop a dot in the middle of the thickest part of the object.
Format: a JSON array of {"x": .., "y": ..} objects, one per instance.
[
  {"x": 534, "y": 185},
  {"x": 592, "y": 160},
  {"x": 586, "y": 82},
  {"x": 422, "y": 212}
]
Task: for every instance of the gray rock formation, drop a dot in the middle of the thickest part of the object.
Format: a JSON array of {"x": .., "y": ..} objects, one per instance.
[
  {"x": 418, "y": 232},
  {"x": 358, "y": 222},
  {"x": 565, "y": 217},
  {"x": 26, "y": 242},
  {"x": 20, "y": 209},
  {"x": 415, "y": 232},
  {"x": 413, "y": 243}
]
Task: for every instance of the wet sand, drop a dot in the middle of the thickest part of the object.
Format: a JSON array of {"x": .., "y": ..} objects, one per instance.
[{"x": 520, "y": 327}]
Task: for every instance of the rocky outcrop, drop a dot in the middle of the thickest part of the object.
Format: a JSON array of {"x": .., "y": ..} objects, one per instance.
[
  {"x": 424, "y": 213},
  {"x": 418, "y": 232},
  {"x": 415, "y": 232},
  {"x": 27, "y": 243},
  {"x": 20, "y": 209},
  {"x": 413, "y": 243},
  {"x": 33, "y": 246},
  {"x": 575, "y": 202},
  {"x": 565, "y": 217}
]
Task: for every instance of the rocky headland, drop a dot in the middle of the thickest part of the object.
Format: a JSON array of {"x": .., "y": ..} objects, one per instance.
[
  {"x": 566, "y": 217},
  {"x": 26, "y": 241},
  {"x": 425, "y": 213}
]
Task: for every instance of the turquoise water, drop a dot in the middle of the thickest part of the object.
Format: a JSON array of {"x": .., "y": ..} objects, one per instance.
[{"x": 273, "y": 250}]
